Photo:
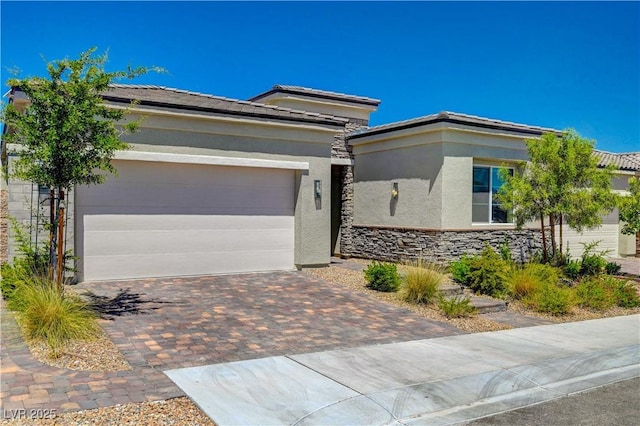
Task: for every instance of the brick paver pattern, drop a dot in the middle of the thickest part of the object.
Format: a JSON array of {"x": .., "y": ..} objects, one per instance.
[{"x": 184, "y": 322}]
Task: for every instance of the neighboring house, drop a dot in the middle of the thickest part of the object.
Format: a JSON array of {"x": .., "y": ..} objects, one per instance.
[{"x": 284, "y": 180}]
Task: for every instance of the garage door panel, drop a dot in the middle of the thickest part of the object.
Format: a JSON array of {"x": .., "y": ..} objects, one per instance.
[
  {"x": 252, "y": 199},
  {"x": 109, "y": 222},
  {"x": 160, "y": 219},
  {"x": 185, "y": 241},
  {"x": 180, "y": 174},
  {"x": 607, "y": 234},
  {"x": 168, "y": 265}
]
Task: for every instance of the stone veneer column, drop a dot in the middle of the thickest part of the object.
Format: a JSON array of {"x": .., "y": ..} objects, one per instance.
[{"x": 341, "y": 149}]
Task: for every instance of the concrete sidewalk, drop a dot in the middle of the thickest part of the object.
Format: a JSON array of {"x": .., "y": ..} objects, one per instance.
[{"x": 443, "y": 380}]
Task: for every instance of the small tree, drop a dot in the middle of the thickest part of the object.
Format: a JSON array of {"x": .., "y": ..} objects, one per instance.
[
  {"x": 67, "y": 134},
  {"x": 630, "y": 208},
  {"x": 561, "y": 182}
]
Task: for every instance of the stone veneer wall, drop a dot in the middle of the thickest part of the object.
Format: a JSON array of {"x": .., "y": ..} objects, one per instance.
[
  {"x": 398, "y": 244},
  {"x": 342, "y": 150},
  {"x": 638, "y": 244}
]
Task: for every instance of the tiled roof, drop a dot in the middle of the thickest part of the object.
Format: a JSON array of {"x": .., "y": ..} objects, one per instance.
[
  {"x": 281, "y": 88},
  {"x": 183, "y": 99},
  {"x": 625, "y": 161},
  {"x": 453, "y": 117}
]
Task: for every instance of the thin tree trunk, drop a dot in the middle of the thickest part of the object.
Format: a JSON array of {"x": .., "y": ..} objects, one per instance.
[
  {"x": 560, "y": 231},
  {"x": 552, "y": 225},
  {"x": 545, "y": 253},
  {"x": 52, "y": 232},
  {"x": 60, "y": 260}
]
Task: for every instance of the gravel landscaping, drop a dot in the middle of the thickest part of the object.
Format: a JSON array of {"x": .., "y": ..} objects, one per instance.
[
  {"x": 355, "y": 281},
  {"x": 177, "y": 411}
]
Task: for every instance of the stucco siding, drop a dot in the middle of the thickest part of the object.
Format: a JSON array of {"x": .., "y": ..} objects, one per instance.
[
  {"x": 313, "y": 215},
  {"x": 416, "y": 169},
  {"x": 457, "y": 187}
]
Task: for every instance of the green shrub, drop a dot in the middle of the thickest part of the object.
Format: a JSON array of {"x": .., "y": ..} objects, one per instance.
[
  {"x": 572, "y": 269},
  {"x": 456, "y": 307},
  {"x": 523, "y": 282},
  {"x": 595, "y": 293},
  {"x": 460, "y": 269},
  {"x": 551, "y": 299},
  {"x": 627, "y": 295},
  {"x": 593, "y": 262},
  {"x": 382, "y": 276},
  {"x": 421, "y": 283},
  {"x": 47, "y": 314},
  {"x": 612, "y": 268},
  {"x": 505, "y": 252},
  {"x": 487, "y": 272}
]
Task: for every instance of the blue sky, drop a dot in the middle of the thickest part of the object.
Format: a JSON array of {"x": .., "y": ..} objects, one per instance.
[{"x": 554, "y": 64}]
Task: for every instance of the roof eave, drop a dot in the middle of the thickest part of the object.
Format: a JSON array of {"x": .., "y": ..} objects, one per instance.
[{"x": 336, "y": 122}]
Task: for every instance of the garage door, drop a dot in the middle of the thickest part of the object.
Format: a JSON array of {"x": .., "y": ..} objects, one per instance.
[{"x": 166, "y": 219}]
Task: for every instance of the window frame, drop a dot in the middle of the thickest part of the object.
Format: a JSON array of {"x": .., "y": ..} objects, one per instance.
[{"x": 490, "y": 203}]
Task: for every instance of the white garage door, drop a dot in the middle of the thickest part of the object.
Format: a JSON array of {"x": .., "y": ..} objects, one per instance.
[{"x": 166, "y": 219}]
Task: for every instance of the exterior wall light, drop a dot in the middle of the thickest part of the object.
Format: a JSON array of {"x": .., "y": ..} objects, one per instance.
[
  {"x": 317, "y": 188},
  {"x": 394, "y": 190}
]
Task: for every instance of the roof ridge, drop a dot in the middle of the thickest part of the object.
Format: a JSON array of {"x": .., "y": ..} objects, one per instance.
[{"x": 321, "y": 91}]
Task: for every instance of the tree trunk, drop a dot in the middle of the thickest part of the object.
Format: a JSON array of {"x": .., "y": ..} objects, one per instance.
[
  {"x": 552, "y": 225},
  {"x": 60, "y": 254},
  {"x": 560, "y": 231},
  {"x": 545, "y": 253},
  {"x": 52, "y": 232}
]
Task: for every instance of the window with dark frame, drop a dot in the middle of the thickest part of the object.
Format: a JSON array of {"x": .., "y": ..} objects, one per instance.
[{"x": 485, "y": 206}]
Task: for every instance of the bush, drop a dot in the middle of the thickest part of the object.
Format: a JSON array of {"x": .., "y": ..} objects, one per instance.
[
  {"x": 456, "y": 307},
  {"x": 551, "y": 299},
  {"x": 49, "y": 315},
  {"x": 593, "y": 262},
  {"x": 627, "y": 295},
  {"x": 572, "y": 269},
  {"x": 505, "y": 251},
  {"x": 487, "y": 273},
  {"x": 597, "y": 294},
  {"x": 421, "y": 283},
  {"x": 460, "y": 269},
  {"x": 612, "y": 268},
  {"x": 382, "y": 276},
  {"x": 523, "y": 282}
]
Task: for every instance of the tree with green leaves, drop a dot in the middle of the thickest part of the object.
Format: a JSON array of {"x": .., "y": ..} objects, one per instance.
[
  {"x": 67, "y": 135},
  {"x": 562, "y": 183},
  {"x": 630, "y": 208}
]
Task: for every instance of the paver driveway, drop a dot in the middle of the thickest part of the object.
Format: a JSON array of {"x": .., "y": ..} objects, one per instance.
[
  {"x": 183, "y": 322},
  {"x": 161, "y": 324}
]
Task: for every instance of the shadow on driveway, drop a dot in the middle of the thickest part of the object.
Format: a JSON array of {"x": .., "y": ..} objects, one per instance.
[{"x": 123, "y": 303}]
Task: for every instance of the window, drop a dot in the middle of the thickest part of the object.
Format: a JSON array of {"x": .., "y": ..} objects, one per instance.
[{"x": 485, "y": 207}]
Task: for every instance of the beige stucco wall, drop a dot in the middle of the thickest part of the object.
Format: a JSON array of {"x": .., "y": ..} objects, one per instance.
[
  {"x": 416, "y": 169},
  {"x": 457, "y": 186}
]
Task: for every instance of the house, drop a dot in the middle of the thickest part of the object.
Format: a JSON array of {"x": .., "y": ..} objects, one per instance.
[{"x": 284, "y": 180}]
